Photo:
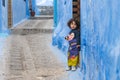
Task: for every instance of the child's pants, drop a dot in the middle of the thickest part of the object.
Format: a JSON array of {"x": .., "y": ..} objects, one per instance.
[{"x": 73, "y": 61}]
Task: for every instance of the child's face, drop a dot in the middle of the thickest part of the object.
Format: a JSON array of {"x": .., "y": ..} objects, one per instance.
[{"x": 73, "y": 25}]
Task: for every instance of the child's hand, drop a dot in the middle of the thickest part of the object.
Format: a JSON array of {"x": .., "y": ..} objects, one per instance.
[{"x": 66, "y": 37}]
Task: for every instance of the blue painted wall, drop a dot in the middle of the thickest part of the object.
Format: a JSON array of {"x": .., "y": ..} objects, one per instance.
[
  {"x": 27, "y": 9},
  {"x": 0, "y": 14},
  {"x": 100, "y": 33},
  {"x": 100, "y": 37},
  {"x": 34, "y": 6},
  {"x": 4, "y": 19},
  {"x": 21, "y": 10},
  {"x": 18, "y": 10},
  {"x": 19, "y": 13},
  {"x": 55, "y": 13},
  {"x": 62, "y": 15}
]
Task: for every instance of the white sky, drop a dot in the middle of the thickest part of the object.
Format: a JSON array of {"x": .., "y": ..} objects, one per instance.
[{"x": 45, "y": 2}]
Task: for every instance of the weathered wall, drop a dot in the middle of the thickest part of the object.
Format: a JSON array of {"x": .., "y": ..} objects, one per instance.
[
  {"x": 100, "y": 33},
  {"x": 3, "y": 13},
  {"x": 63, "y": 13}
]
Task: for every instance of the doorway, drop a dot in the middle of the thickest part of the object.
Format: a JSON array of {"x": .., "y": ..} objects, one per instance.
[
  {"x": 76, "y": 16},
  {"x": 10, "y": 14},
  {"x": 76, "y": 10}
]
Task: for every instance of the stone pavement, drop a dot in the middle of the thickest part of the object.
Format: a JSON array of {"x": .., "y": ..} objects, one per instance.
[{"x": 27, "y": 55}]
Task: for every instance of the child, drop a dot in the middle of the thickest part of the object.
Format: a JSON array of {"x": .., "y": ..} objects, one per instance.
[
  {"x": 74, "y": 26},
  {"x": 73, "y": 51}
]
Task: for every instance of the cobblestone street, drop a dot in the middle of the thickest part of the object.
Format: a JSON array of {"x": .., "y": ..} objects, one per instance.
[{"x": 27, "y": 55}]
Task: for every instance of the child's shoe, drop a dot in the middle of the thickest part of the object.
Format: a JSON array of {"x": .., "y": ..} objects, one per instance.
[
  {"x": 68, "y": 68},
  {"x": 73, "y": 68}
]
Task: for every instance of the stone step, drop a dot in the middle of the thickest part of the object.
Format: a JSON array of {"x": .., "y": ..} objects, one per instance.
[
  {"x": 30, "y": 31},
  {"x": 42, "y": 17}
]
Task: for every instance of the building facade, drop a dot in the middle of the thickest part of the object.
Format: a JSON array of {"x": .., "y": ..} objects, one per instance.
[
  {"x": 100, "y": 39},
  {"x": 13, "y": 12}
]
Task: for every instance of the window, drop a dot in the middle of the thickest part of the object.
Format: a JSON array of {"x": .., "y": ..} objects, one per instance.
[{"x": 3, "y": 3}]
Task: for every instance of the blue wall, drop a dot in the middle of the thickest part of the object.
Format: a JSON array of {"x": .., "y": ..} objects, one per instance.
[
  {"x": 4, "y": 19},
  {"x": 34, "y": 6},
  {"x": 19, "y": 13},
  {"x": 55, "y": 13},
  {"x": 100, "y": 37},
  {"x": 27, "y": 8},
  {"x": 63, "y": 14},
  {"x": 19, "y": 10},
  {"x": 100, "y": 33},
  {"x": 0, "y": 14}
]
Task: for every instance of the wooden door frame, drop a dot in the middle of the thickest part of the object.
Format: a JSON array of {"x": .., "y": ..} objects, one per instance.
[
  {"x": 76, "y": 9},
  {"x": 10, "y": 18},
  {"x": 76, "y": 13},
  {"x": 76, "y": 16}
]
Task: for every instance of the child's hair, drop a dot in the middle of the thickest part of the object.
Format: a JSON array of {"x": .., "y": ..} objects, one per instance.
[{"x": 71, "y": 20}]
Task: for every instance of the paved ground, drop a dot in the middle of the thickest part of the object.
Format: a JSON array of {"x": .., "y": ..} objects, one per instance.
[{"x": 27, "y": 55}]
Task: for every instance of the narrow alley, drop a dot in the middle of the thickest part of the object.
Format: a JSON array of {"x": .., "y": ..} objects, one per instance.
[
  {"x": 42, "y": 39},
  {"x": 27, "y": 53}
]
